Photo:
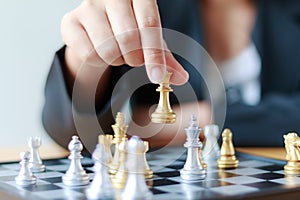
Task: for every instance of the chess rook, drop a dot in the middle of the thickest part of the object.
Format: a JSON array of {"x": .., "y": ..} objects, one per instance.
[
  {"x": 101, "y": 187},
  {"x": 25, "y": 176},
  {"x": 227, "y": 158},
  {"x": 75, "y": 175},
  {"x": 193, "y": 170},
  {"x": 292, "y": 147},
  {"x": 106, "y": 140},
  {"x": 35, "y": 162},
  {"x": 211, "y": 149},
  {"x": 163, "y": 113},
  {"x": 135, "y": 187},
  {"x": 119, "y": 129}
]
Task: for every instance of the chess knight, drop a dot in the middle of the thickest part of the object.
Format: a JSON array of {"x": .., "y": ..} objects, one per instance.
[{"x": 292, "y": 147}]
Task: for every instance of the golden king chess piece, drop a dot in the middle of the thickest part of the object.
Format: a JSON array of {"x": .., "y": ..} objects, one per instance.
[
  {"x": 120, "y": 178},
  {"x": 163, "y": 113},
  {"x": 292, "y": 147},
  {"x": 119, "y": 129},
  {"x": 227, "y": 158}
]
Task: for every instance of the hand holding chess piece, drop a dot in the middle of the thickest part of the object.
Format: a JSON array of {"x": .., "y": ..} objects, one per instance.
[
  {"x": 292, "y": 147},
  {"x": 163, "y": 113},
  {"x": 227, "y": 158}
]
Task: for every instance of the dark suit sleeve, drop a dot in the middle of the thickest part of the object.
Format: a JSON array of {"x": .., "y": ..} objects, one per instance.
[
  {"x": 61, "y": 119},
  {"x": 266, "y": 123},
  {"x": 57, "y": 111}
]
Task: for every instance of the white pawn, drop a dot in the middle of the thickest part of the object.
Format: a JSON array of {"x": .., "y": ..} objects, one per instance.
[
  {"x": 193, "y": 169},
  {"x": 35, "y": 162},
  {"x": 75, "y": 175},
  {"x": 25, "y": 176},
  {"x": 211, "y": 149},
  {"x": 101, "y": 187},
  {"x": 136, "y": 187}
]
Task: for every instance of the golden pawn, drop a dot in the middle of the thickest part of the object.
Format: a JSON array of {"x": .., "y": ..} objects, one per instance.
[
  {"x": 163, "y": 113},
  {"x": 227, "y": 158},
  {"x": 119, "y": 129},
  {"x": 292, "y": 147},
  {"x": 120, "y": 178},
  {"x": 148, "y": 172}
]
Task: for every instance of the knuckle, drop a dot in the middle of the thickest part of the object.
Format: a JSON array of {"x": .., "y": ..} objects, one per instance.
[
  {"x": 150, "y": 22},
  {"x": 134, "y": 58},
  {"x": 154, "y": 56},
  {"x": 127, "y": 37},
  {"x": 67, "y": 18},
  {"x": 109, "y": 54}
]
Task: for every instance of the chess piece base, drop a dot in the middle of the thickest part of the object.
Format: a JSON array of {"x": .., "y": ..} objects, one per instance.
[
  {"x": 292, "y": 168},
  {"x": 112, "y": 171},
  {"x": 227, "y": 164},
  {"x": 203, "y": 164},
  {"x": 36, "y": 168},
  {"x": 165, "y": 118},
  {"x": 119, "y": 180},
  {"x": 147, "y": 195},
  {"x": 191, "y": 175},
  {"x": 148, "y": 174},
  {"x": 99, "y": 195},
  {"x": 25, "y": 181},
  {"x": 77, "y": 180}
]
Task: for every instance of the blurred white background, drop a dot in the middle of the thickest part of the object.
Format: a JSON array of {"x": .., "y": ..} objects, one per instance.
[{"x": 30, "y": 35}]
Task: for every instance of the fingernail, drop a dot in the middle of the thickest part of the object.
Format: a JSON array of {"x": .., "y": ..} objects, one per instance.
[{"x": 157, "y": 74}]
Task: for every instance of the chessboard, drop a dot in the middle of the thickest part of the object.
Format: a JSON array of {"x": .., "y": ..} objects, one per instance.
[{"x": 255, "y": 178}]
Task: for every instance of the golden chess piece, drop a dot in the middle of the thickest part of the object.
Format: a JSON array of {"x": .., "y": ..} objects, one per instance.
[
  {"x": 227, "y": 158},
  {"x": 292, "y": 147},
  {"x": 106, "y": 140},
  {"x": 163, "y": 113},
  {"x": 119, "y": 129},
  {"x": 148, "y": 172},
  {"x": 201, "y": 159},
  {"x": 120, "y": 178}
]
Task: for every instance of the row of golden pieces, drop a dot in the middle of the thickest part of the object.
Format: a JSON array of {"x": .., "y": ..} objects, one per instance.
[{"x": 117, "y": 163}]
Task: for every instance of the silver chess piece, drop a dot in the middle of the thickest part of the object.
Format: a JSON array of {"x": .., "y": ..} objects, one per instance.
[
  {"x": 193, "y": 170},
  {"x": 75, "y": 175},
  {"x": 211, "y": 149},
  {"x": 25, "y": 176},
  {"x": 101, "y": 187},
  {"x": 35, "y": 162},
  {"x": 136, "y": 188}
]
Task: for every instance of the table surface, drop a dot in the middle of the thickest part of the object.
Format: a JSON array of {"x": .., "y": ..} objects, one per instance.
[{"x": 52, "y": 151}]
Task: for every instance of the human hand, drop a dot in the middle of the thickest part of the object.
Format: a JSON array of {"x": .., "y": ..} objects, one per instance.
[{"x": 113, "y": 32}]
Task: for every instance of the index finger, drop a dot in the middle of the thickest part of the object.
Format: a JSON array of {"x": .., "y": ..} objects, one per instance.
[{"x": 148, "y": 21}]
